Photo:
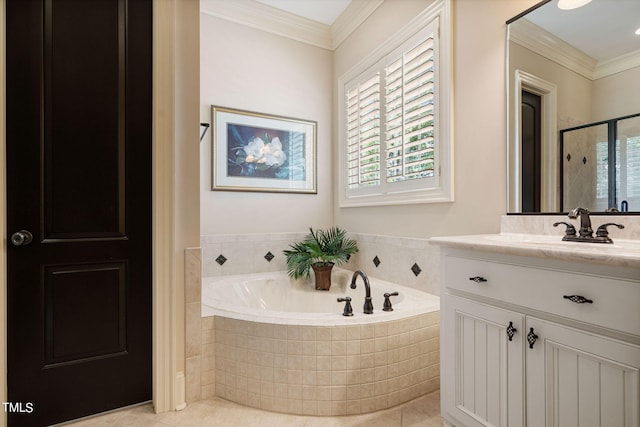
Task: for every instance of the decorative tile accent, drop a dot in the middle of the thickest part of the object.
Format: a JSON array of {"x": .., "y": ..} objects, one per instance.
[
  {"x": 376, "y": 261},
  {"x": 269, "y": 256},
  {"x": 397, "y": 254},
  {"x": 416, "y": 269},
  {"x": 221, "y": 259}
]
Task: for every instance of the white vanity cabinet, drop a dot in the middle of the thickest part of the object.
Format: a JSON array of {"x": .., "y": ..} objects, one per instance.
[
  {"x": 481, "y": 381},
  {"x": 521, "y": 345}
]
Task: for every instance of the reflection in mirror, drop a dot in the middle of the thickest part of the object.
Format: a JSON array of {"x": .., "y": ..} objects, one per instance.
[
  {"x": 604, "y": 156},
  {"x": 585, "y": 166},
  {"x": 568, "y": 69}
]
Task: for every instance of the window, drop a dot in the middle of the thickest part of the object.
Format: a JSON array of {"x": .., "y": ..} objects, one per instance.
[{"x": 394, "y": 120}]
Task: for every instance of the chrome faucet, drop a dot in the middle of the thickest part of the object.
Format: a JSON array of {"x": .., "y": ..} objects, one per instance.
[
  {"x": 368, "y": 305},
  {"x": 585, "y": 222}
]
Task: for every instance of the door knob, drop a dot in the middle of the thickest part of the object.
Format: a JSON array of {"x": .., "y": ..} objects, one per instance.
[{"x": 21, "y": 238}]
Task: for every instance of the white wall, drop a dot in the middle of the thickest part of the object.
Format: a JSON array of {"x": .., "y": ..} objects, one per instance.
[
  {"x": 479, "y": 138},
  {"x": 249, "y": 69},
  {"x": 616, "y": 95},
  {"x": 246, "y": 68}
]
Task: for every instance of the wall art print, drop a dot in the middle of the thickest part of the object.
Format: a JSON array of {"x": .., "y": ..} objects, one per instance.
[{"x": 259, "y": 152}]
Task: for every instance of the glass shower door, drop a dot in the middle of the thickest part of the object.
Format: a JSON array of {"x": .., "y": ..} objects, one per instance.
[
  {"x": 600, "y": 166},
  {"x": 628, "y": 164}
]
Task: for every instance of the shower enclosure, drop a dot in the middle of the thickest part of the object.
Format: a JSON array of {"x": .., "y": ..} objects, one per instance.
[{"x": 600, "y": 165}]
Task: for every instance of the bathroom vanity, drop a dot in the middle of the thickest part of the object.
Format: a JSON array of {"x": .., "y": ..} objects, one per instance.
[{"x": 539, "y": 332}]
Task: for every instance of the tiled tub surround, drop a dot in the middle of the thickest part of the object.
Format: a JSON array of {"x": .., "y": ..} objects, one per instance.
[
  {"x": 411, "y": 262},
  {"x": 245, "y": 253},
  {"x": 317, "y": 370},
  {"x": 408, "y": 261},
  {"x": 277, "y": 350}
]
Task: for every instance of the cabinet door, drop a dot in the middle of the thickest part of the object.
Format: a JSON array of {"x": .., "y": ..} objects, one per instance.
[
  {"x": 575, "y": 378},
  {"x": 482, "y": 380}
]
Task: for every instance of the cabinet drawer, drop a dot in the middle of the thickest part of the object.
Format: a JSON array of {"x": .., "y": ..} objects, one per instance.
[{"x": 615, "y": 301}]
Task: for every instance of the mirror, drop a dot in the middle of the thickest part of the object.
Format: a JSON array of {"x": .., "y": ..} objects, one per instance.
[{"x": 568, "y": 69}]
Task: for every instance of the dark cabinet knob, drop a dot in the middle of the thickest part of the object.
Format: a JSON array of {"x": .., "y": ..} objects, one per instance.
[
  {"x": 532, "y": 338},
  {"x": 511, "y": 331},
  {"x": 478, "y": 279},
  {"x": 578, "y": 299}
]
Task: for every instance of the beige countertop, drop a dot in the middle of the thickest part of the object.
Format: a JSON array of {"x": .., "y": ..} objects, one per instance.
[{"x": 623, "y": 253}]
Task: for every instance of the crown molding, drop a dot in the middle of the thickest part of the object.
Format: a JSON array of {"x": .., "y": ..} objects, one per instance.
[
  {"x": 266, "y": 18},
  {"x": 551, "y": 47},
  {"x": 354, "y": 15},
  {"x": 272, "y": 20},
  {"x": 617, "y": 65}
]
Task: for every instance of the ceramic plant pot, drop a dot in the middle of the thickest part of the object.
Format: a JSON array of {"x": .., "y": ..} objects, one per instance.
[{"x": 323, "y": 276}]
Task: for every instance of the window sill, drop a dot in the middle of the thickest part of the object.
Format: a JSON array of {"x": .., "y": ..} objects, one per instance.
[{"x": 408, "y": 198}]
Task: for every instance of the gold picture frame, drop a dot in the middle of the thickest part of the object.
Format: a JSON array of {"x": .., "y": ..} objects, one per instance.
[{"x": 265, "y": 153}]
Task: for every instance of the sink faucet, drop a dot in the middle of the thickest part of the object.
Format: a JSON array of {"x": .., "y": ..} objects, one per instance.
[
  {"x": 368, "y": 305},
  {"x": 585, "y": 222},
  {"x": 586, "y": 232}
]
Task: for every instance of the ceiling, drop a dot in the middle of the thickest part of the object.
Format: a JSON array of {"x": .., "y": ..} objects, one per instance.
[
  {"x": 323, "y": 11},
  {"x": 603, "y": 29}
]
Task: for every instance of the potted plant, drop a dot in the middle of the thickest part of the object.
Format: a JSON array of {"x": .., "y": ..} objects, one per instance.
[{"x": 320, "y": 250}]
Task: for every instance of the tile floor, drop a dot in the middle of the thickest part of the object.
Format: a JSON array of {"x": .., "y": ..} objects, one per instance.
[{"x": 421, "y": 412}]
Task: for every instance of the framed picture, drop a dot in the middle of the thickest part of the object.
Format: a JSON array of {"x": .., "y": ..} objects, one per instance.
[{"x": 259, "y": 152}]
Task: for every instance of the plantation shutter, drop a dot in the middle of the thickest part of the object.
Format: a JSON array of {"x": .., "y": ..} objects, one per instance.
[
  {"x": 363, "y": 133},
  {"x": 409, "y": 87},
  {"x": 391, "y": 120}
]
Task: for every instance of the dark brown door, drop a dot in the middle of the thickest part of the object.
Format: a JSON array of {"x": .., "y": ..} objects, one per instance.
[
  {"x": 79, "y": 181},
  {"x": 531, "y": 151}
]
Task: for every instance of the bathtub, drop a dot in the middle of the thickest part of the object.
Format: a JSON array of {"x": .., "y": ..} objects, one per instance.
[
  {"x": 280, "y": 345},
  {"x": 276, "y": 298}
]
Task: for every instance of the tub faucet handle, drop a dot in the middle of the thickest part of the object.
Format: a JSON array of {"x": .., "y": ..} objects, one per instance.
[
  {"x": 387, "y": 302},
  {"x": 348, "y": 310}
]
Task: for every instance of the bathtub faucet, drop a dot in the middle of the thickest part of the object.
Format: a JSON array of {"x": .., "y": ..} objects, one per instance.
[{"x": 368, "y": 305}]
